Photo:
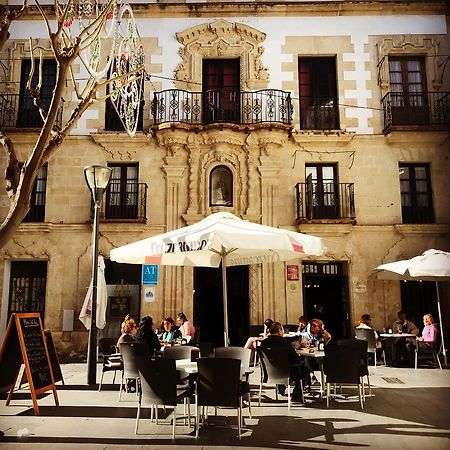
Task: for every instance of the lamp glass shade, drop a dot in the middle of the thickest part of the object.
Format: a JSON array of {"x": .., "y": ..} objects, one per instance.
[{"x": 97, "y": 177}]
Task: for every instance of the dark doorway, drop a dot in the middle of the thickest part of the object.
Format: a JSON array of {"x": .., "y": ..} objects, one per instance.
[
  {"x": 419, "y": 298},
  {"x": 325, "y": 296},
  {"x": 208, "y": 305}
]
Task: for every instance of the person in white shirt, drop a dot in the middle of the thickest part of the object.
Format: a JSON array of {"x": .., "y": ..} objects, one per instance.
[{"x": 185, "y": 327}]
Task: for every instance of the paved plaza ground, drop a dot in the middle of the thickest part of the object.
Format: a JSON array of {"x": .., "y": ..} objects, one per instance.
[{"x": 408, "y": 409}]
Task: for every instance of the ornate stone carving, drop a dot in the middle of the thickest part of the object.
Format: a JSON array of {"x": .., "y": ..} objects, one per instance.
[
  {"x": 408, "y": 45},
  {"x": 221, "y": 39}
]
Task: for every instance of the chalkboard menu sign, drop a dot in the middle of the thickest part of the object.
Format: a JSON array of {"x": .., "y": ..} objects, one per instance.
[
  {"x": 56, "y": 368},
  {"x": 25, "y": 341}
]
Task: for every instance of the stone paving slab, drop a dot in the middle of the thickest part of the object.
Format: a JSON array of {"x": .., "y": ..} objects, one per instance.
[{"x": 408, "y": 409}]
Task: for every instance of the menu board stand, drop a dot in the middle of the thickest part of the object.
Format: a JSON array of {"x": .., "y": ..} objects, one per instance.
[{"x": 25, "y": 342}]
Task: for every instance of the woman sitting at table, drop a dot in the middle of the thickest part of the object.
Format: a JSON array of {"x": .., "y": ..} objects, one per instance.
[
  {"x": 171, "y": 333},
  {"x": 430, "y": 332},
  {"x": 129, "y": 330},
  {"x": 366, "y": 323},
  {"x": 254, "y": 341},
  {"x": 186, "y": 328},
  {"x": 147, "y": 335},
  {"x": 303, "y": 325}
]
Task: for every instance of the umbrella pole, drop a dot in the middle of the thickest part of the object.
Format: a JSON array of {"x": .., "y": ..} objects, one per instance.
[
  {"x": 223, "y": 254},
  {"x": 444, "y": 351}
]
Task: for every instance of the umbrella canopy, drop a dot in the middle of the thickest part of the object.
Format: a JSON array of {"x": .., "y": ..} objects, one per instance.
[
  {"x": 102, "y": 299},
  {"x": 431, "y": 265},
  {"x": 221, "y": 238}
]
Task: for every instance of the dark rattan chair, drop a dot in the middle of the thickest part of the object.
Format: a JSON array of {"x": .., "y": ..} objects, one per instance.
[
  {"x": 112, "y": 360},
  {"x": 369, "y": 336},
  {"x": 130, "y": 352}
]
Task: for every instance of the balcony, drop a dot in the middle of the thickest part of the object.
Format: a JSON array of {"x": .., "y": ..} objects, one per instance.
[
  {"x": 124, "y": 203},
  {"x": 319, "y": 113},
  {"x": 222, "y": 106},
  {"x": 325, "y": 202},
  {"x": 412, "y": 110},
  {"x": 18, "y": 111}
]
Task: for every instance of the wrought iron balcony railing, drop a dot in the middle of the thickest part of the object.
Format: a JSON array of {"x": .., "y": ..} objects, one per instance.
[
  {"x": 318, "y": 113},
  {"x": 419, "y": 108},
  {"x": 124, "y": 202},
  {"x": 18, "y": 111},
  {"x": 325, "y": 201},
  {"x": 222, "y": 105}
]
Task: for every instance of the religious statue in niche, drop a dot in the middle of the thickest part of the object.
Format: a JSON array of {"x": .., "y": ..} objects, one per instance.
[{"x": 221, "y": 187}]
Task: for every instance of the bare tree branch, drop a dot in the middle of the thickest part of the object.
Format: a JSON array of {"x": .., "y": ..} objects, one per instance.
[
  {"x": 7, "y": 18},
  {"x": 12, "y": 165}
]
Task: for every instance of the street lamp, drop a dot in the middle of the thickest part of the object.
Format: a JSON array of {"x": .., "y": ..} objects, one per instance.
[{"x": 97, "y": 179}]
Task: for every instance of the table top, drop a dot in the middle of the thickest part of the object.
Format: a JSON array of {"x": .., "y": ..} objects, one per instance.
[
  {"x": 397, "y": 335},
  {"x": 310, "y": 354},
  {"x": 187, "y": 365}
]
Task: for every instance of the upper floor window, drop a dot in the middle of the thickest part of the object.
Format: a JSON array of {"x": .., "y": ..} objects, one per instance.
[
  {"x": 28, "y": 114},
  {"x": 221, "y": 187},
  {"x": 122, "y": 199},
  {"x": 415, "y": 187},
  {"x": 408, "y": 86},
  {"x": 221, "y": 90},
  {"x": 37, "y": 200},
  {"x": 112, "y": 120},
  {"x": 319, "y": 108}
]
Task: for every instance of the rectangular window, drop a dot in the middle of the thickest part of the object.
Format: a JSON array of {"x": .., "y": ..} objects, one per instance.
[
  {"x": 122, "y": 199},
  {"x": 409, "y": 100},
  {"x": 28, "y": 116},
  {"x": 322, "y": 192},
  {"x": 27, "y": 287},
  {"x": 221, "y": 90},
  {"x": 319, "y": 108},
  {"x": 415, "y": 187},
  {"x": 37, "y": 200}
]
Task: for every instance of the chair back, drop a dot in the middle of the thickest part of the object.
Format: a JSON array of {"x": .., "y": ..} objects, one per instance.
[
  {"x": 196, "y": 338},
  {"x": 368, "y": 335},
  {"x": 107, "y": 345},
  {"x": 290, "y": 327},
  {"x": 178, "y": 352},
  {"x": 158, "y": 377},
  {"x": 130, "y": 352},
  {"x": 275, "y": 366},
  {"x": 218, "y": 382},
  {"x": 341, "y": 364},
  {"x": 241, "y": 353},
  {"x": 361, "y": 347},
  {"x": 205, "y": 349}
]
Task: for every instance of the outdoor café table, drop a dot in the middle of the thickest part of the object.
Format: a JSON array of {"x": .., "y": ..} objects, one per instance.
[
  {"x": 390, "y": 337},
  {"x": 187, "y": 365},
  {"x": 318, "y": 355}
]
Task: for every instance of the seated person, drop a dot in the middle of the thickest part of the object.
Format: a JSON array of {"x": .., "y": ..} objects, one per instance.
[
  {"x": 429, "y": 333},
  {"x": 316, "y": 333},
  {"x": 254, "y": 341},
  {"x": 275, "y": 340},
  {"x": 403, "y": 351},
  {"x": 366, "y": 323},
  {"x": 147, "y": 335},
  {"x": 186, "y": 328},
  {"x": 310, "y": 338},
  {"x": 303, "y": 325},
  {"x": 129, "y": 330},
  {"x": 170, "y": 333},
  {"x": 402, "y": 325}
]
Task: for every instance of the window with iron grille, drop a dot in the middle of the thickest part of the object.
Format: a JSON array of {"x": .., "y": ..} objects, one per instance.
[
  {"x": 37, "y": 200},
  {"x": 122, "y": 199},
  {"x": 415, "y": 187},
  {"x": 28, "y": 114},
  {"x": 27, "y": 287}
]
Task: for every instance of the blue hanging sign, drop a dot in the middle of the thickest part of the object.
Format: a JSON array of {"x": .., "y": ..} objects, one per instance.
[{"x": 149, "y": 273}]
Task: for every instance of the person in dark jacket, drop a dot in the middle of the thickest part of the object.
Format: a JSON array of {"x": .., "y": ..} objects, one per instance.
[
  {"x": 147, "y": 335},
  {"x": 275, "y": 340}
]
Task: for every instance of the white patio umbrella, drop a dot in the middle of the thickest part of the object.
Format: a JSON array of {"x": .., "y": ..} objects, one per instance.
[
  {"x": 220, "y": 238},
  {"x": 431, "y": 265},
  {"x": 102, "y": 299}
]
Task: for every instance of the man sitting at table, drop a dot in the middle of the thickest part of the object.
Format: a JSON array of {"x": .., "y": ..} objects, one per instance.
[
  {"x": 275, "y": 340},
  {"x": 404, "y": 351}
]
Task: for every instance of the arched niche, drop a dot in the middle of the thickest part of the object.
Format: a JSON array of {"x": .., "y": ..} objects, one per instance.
[{"x": 221, "y": 186}]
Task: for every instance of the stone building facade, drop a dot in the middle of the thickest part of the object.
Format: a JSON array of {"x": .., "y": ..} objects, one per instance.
[{"x": 328, "y": 118}]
